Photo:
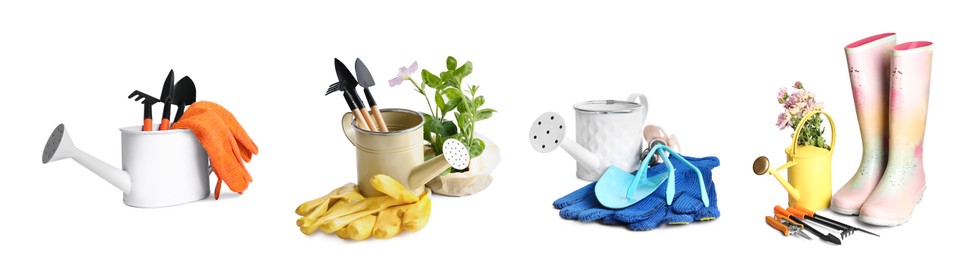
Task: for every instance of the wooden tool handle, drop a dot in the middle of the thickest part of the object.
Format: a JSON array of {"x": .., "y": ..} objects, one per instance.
[
  {"x": 367, "y": 119},
  {"x": 360, "y": 119},
  {"x": 379, "y": 119}
]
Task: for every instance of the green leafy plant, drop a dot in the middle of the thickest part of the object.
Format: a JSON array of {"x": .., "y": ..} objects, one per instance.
[{"x": 448, "y": 94}]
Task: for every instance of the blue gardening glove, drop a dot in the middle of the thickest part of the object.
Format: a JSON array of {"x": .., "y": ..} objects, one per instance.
[
  {"x": 582, "y": 205},
  {"x": 687, "y": 205},
  {"x": 652, "y": 211}
]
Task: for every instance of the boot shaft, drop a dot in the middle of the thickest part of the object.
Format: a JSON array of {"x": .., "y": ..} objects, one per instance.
[
  {"x": 910, "y": 82},
  {"x": 869, "y": 64}
]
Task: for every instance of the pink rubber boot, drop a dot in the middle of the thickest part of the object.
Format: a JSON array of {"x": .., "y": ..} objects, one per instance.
[
  {"x": 903, "y": 183},
  {"x": 868, "y": 63}
]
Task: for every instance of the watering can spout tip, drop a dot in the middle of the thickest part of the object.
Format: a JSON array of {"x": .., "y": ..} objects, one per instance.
[
  {"x": 59, "y": 146},
  {"x": 59, "y": 137}
]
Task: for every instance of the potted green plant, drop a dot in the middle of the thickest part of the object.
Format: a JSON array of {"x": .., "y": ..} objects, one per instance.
[{"x": 466, "y": 107}]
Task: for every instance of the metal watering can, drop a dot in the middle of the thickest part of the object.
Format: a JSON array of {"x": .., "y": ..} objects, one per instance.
[
  {"x": 612, "y": 131},
  {"x": 808, "y": 169},
  {"x": 159, "y": 168},
  {"x": 399, "y": 153}
]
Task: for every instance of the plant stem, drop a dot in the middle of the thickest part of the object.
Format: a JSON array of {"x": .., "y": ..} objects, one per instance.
[{"x": 434, "y": 113}]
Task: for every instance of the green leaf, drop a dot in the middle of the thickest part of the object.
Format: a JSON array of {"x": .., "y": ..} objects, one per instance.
[
  {"x": 449, "y": 129},
  {"x": 454, "y": 98},
  {"x": 478, "y": 102},
  {"x": 484, "y": 114},
  {"x": 451, "y": 63},
  {"x": 476, "y": 148},
  {"x": 464, "y": 107},
  {"x": 464, "y": 70},
  {"x": 439, "y": 102},
  {"x": 430, "y": 79},
  {"x": 464, "y": 121},
  {"x": 447, "y": 79}
]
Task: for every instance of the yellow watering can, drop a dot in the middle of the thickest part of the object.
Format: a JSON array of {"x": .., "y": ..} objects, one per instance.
[{"x": 808, "y": 169}]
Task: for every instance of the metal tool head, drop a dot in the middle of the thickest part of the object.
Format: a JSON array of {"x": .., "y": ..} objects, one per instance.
[
  {"x": 168, "y": 87},
  {"x": 59, "y": 145},
  {"x": 547, "y": 132},
  {"x": 456, "y": 154},
  {"x": 761, "y": 165},
  {"x": 185, "y": 92},
  {"x": 334, "y": 87},
  {"x": 144, "y": 98},
  {"x": 364, "y": 75},
  {"x": 846, "y": 233},
  {"x": 346, "y": 80}
]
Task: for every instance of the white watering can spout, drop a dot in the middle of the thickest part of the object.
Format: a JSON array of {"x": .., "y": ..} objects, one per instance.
[
  {"x": 549, "y": 132},
  {"x": 59, "y": 146}
]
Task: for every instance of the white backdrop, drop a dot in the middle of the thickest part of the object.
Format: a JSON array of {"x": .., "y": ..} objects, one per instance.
[{"x": 710, "y": 69}]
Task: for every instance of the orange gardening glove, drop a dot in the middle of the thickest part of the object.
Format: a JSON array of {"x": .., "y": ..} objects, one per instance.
[{"x": 226, "y": 142}]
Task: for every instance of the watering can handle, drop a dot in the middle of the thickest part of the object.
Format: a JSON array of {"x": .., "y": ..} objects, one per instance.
[
  {"x": 643, "y": 100},
  {"x": 833, "y": 131},
  {"x": 349, "y": 128}
]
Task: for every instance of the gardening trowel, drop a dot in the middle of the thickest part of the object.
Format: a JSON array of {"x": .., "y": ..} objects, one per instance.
[
  {"x": 366, "y": 81},
  {"x": 166, "y": 99},
  {"x": 346, "y": 83},
  {"x": 184, "y": 95}
]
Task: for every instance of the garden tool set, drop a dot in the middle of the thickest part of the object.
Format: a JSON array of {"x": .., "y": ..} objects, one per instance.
[
  {"x": 180, "y": 94},
  {"x": 890, "y": 84},
  {"x": 634, "y": 198},
  {"x": 169, "y": 167},
  {"x": 795, "y": 220},
  {"x": 346, "y": 84}
]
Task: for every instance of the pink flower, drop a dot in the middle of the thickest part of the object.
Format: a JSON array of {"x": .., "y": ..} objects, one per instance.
[
  {"x": 403, "y": 74},
  {"x": 781, "y": 96},
  {"x": 798, "y": 85},
  {"x": 792, "y": 100},
  {"x": 783, "y": 121}
]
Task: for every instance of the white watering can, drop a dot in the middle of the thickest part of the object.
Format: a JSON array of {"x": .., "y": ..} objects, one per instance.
[
  {"x": 159, "y": 168},
  {"x": 549, "y": 131}
]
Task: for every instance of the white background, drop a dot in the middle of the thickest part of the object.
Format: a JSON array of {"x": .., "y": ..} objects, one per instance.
[{"x": 710, "y": 69}]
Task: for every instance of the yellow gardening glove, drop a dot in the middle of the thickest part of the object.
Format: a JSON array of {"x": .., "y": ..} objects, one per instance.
[
  {"x": 350, "y": 216},
  {"x": 314, "y": 209},
  {"x": 411, "y": 217}
]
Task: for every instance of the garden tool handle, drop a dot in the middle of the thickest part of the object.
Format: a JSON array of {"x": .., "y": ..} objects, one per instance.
[
  {"x": 804, "y": 210},
  {"x": 643, "y": 100},
  {"x": 833, "y": 130},
  {"x": 781, "y": 211},
  {"x": 778, "y": 226},
  {"x": 795, "y": 212},
  {"x": 164, "y": 125},
  {"x": 378, "y": 118},
  {"x": 366, "y": 117}
]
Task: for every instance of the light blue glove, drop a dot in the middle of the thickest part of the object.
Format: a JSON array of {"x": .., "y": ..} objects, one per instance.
[{"x": 651, "y": 212}]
